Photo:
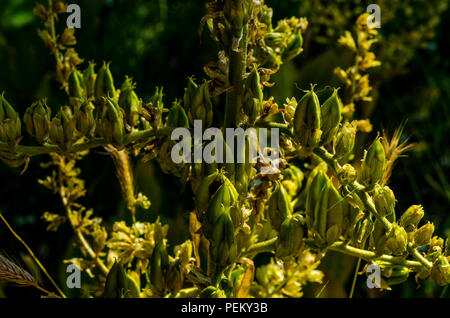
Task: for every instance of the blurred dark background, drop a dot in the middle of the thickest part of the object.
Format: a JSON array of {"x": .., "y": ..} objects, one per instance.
[{"x": 156, "y": 42}]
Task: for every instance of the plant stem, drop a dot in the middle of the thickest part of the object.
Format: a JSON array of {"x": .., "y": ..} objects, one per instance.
[
  {"x": 416, "y": 254},
  {"x": 355, "y": 277},
  {"x": 93, "y": 143},
  {"x": 265, "y": 246},
  {"x": 32, "y": 255},
  {"x": 237, "y": 68}
]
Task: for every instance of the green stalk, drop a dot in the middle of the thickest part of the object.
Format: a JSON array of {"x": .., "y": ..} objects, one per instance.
[{"x": 238, "y": 63}]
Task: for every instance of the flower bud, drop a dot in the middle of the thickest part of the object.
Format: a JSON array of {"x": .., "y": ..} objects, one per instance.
[
  {"x": 330, "y": 117},
  {"x": 129, "y": 102},
  {"x": 291, "y": 236},
  {"x": 85, "y": 121},
  {"x": 372, "y": 167},
  {"x": 36, "y": 119},
  {"x": 397, "y": 240},
  {"x": 423, "y": 235},
  {"x": 436, "y": 245},
  {"x": 347, "y": 174},
  {"x": 307, "y": 120},
  {"x": 384, "y": 200},
  {"x": 177, "y": 116},
  {"x": 345, "y": 140},
  {"x": 89, "y": 77},
  {"x": 411, "y": 218},
  {"x": 104, "y": 83},
  {"x": 440, "y": 272},
  {"x": 77, "y": 88},
  {"x": 279, "y": 206}
]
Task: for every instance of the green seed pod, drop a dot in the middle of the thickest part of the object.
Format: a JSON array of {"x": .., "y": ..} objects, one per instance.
[
  {"x": 411, "y": 218},
  {"x": 279, "y": 207},
  {"x": 36, "y": 119},
  {"x": 221, "y": 202},
  {"x": 423, "y": 235},
  {"x": 62, "y": 128},
  {"x": 397, "y": 240},
  {"x": 291, "y": 236},
  {"x": 110, "y": 122},
  {"x": 159, "y": 264},
  {"x": 174, "y": 277},
  {"x": 115, "y": 282},
  {"x": 316, "y": 187},
  {"x": 294, "y": 47},
  {"x": 345, "y": 140},
  {"x": 307, "y": 120},
  {"x": 129, "y": 101},
  {"x": 292, "y": 180},
  {"x": 379, "y": 237},
  {"x": 274, "y": 39},
  {"x": 177, "y": 116},
  {"x": 212, "y": 292},
  {"x": 12, "y": 159},
  {"x": 384, "y": 200},
  {"x": 364, "y": 227},
  {"x": 223, "y": 247},
  {"x": 89, "y": 77},
  {"x": 119, "y": 285},
  {"x": 77, "y": 88},
  {"x": 11, "y": 131},
  {"x": 440, "y": 272},
  {"x": 198, "y": 104},
  {"x": 203, "y": 194},
  {"x": 335, "y": 215},
  {"x": 253, "y": 96},
  {"x": 372, "y": 167},
  {"x": 330, "y": 113},
  {"x": 85, "y": 121},
  {"x": 104, "y": 83}
]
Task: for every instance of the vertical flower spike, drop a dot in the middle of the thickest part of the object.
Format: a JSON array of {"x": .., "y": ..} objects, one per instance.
[
  {"x": 37, "y": 120},
  {"x": 10, "y": 125},
  {"x": 372, "y": 167},
  {"x": 330, "y": 117},
  {"x": 307, "y": 120}
]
